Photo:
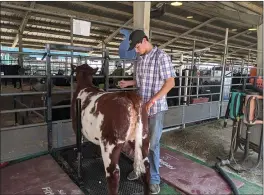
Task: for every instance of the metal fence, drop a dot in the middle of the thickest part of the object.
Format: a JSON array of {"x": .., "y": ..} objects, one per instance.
[{"x": 200, "y": 95}]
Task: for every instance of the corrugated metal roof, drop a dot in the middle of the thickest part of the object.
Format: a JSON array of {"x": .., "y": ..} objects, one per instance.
[{"x": 105, "y": 18}]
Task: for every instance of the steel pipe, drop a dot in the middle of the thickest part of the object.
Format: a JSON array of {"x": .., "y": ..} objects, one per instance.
[
  {"x": 21, "y": 110},
  {"x": 38, "y": 114}
]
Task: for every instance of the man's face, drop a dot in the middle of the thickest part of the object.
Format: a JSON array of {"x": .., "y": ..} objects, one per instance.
[{"x": 140, "y": 48}]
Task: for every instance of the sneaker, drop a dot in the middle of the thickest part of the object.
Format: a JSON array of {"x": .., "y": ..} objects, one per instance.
[
  {"x": 154, "y": 188},
  {"x": 132, "y": 176}
]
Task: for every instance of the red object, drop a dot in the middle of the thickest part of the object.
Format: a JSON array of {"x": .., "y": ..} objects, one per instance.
[
  {"x": 259, "y": 82},
  {"x": 199, "y": 100},
  {"x": 3, "y": 164}
]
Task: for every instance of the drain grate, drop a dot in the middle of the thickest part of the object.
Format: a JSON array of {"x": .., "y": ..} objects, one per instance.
[{"x": 94, "y": 173}]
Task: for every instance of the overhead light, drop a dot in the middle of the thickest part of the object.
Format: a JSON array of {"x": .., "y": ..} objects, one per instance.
[
  {"x": 189, "y": 17},
  {"x": 176, "y": 3},
  {"x": 234, "y": 30},
  {"x": 252, "y": 29}
]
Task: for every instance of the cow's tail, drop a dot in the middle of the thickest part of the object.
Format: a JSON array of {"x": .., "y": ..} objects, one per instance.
[{"x": 139, "y": 166}]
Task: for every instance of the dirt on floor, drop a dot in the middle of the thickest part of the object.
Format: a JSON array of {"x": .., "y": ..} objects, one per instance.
[{"x": 209, "y": 141}]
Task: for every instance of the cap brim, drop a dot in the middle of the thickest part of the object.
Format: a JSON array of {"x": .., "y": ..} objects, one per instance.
[{"x": 132, "y": 46}]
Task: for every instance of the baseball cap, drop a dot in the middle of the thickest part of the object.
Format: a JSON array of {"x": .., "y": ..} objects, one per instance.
[{"x": 135, "y": 37}]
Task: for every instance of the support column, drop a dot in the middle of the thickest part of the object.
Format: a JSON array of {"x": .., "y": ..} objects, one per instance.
[
  {"x": 141, "y": 14},
  {"x": 260, "y": 50},
  {"x": 20, "y": 49}
]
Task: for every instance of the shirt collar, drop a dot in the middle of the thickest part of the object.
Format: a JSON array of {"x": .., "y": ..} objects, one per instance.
[{"x": 150, "y": 53}]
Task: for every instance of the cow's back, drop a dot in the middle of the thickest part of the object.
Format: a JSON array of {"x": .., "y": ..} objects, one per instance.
[{"x": 110, "y": 116}]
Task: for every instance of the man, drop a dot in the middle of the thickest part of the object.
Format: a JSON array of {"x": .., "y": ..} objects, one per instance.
[
  {"x": 154, "y": 79},
  {"x": 119, "y": 72}
]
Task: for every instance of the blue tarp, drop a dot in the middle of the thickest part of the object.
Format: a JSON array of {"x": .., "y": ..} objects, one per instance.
[{"x": 124, "y": 45}]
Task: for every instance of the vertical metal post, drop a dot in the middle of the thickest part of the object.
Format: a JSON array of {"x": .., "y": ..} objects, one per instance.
[
  {"x": 186, "y": 86},
  {"x": 79, "y": 136},
  {"x": 255, "y": 79},
  {"x": 150, "y": 35},
  {"x": 71, "y": 21},
  {"x": 48, "y": 98},
  {"x": 14, "y": 101},
  {"x": 124, "y": 68},
  {"x": 171, "y": 55},
  {"x": 20, "y": 63},
  {"x": 20, "y": 50},
  {"x": 180, "y": 84},
  {"x": 223, "y": 73},
  {"x": 191, "y": 79},
  {"x": 106, "y": 69},
  {"x": 65, "y": 65}
]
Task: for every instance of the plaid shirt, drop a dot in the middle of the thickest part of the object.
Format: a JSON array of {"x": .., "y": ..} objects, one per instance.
[{"x": 152, "y": 70}]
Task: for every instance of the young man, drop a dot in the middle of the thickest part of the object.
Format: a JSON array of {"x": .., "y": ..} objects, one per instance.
[{"x": 154, "y": 79}]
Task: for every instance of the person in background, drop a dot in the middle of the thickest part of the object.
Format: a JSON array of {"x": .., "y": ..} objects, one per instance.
[
  {"x": 154, "y": 79},
  {"x": 119, "y": 72},
  {"x": 253, "y": 74}
]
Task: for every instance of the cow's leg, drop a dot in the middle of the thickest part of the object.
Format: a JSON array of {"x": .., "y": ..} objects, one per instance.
[
  {"x": 111, "y": 154},
  {"x": 146, "y": 175}
]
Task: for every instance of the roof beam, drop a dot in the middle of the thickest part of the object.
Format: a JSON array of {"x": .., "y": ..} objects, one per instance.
[
  {"x": 99, "y": 7},
  {"x": 186, "y": 33},
  {"x": 172, "y": 15},
  {"x": 251, "y": 6},
  {"x": 229, "y": 54},
  {"x": 250, "y": 46},
  {"x": 23, "y": 24},
  {"x": 111, "y": 36},
  {"x": 235, "y": 7},
  {"x": 241, "y": 33},
  {"x": 243, "y": 18}
]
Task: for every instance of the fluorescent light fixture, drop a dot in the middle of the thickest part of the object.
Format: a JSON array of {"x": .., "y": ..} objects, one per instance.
[
  {"x": 234, "y": 30},
  {"x": 189, "y": 17},
  {"x": 252, "y": 29},
  {"x": 176, "y": 3}
]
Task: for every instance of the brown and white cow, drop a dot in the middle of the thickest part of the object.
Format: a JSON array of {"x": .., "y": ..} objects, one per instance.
[{"x": 110, "y": 119}]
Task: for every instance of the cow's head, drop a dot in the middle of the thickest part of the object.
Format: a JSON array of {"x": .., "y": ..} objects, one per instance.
[{"x": 84, "y": 74}]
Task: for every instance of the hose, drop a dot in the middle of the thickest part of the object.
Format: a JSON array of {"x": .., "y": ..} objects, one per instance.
[{"x": 227, "y": 178}]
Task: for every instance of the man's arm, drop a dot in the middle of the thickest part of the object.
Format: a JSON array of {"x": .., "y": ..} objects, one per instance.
[
  {"x": 168, "y": 85},
  {"x": 124, "y": 84},
  {"x": 132, "y": 83},
  {"x": 167, "y": 73}
]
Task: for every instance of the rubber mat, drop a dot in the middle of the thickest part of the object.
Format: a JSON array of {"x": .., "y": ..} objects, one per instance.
[
  {"x": 40, "y": 175},
  {"x": 94, "y": 173},
  {"x": 191, "y": 177}
]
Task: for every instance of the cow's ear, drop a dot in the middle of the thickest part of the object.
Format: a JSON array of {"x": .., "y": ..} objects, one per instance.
[{"x": 95, "y": 70}]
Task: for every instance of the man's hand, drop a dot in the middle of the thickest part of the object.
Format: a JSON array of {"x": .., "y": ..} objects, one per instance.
[
  {"x": 149, "y": 104},
  {"x": 123, "y": 84}
]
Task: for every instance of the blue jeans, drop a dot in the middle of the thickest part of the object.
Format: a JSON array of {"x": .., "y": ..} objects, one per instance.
[{"x": 155, "y": 128}]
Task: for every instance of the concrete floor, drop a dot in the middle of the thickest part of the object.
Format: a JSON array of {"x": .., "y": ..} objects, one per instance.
[{"x": 206, "y": 142}]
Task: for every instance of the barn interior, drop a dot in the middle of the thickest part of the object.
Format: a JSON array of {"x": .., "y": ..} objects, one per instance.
[{"x": 216, "y": 49}]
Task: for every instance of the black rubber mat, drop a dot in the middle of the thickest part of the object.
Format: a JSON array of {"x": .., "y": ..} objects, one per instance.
[{"x": 93, "y": 171}]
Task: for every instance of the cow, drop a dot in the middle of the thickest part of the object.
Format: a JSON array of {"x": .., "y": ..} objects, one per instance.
[
  {"x": 11, "y": 70},
  {"x": 111, "y": 119}
]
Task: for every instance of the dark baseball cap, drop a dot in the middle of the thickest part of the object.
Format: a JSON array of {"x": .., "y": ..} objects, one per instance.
[{"x": 135, "y": 37}]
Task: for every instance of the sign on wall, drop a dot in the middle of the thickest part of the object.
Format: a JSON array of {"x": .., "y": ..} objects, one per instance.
[{"x": 81, "y": 27}]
